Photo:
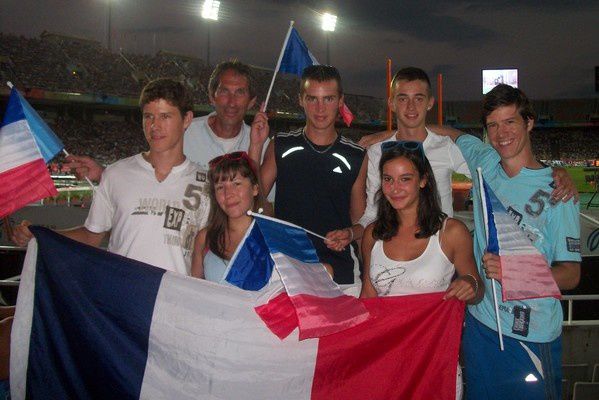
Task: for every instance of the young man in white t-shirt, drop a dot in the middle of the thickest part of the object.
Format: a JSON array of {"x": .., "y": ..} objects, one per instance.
[
  {"x": 152, "y": 203},
  {"x": 411, "y": 99}
]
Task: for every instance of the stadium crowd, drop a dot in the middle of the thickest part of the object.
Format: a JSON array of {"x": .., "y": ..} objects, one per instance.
[
  {"x": 571, "y": 146},
  {"x": 75, "y": 65},
  {"x": 113, "y": 140}
]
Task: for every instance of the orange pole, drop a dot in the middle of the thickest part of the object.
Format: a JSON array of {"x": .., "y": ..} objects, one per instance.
[
  {"x": 440, "y": 99},
  {"x": 389, "y": 113}
]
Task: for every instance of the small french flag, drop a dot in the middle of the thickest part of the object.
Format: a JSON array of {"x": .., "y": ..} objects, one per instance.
[
  {"x": 296, "y": 57},
  {"x": 525, "y": 272},
  {"x": 26, "y": 144},
  {"x": 306, "y": 296}
]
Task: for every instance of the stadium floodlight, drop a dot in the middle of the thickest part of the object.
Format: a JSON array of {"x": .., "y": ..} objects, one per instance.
[
  {"x": 209, "y": 12},
  {"x": 329, "y": 21},
  {"x": 210, "y": 9}
]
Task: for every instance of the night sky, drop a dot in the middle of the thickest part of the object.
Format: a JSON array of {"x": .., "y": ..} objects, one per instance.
[{"x": 554, "y": 44}]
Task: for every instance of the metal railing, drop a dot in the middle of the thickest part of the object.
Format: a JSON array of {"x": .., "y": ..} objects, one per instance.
[
  {"x": 570, "y": 299},
  {"x": 12, "y": 281},
  {"x": 570, "y": 321}
]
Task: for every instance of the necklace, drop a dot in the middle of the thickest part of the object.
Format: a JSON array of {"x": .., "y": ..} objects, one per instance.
[{"x": 312, "y": 146}]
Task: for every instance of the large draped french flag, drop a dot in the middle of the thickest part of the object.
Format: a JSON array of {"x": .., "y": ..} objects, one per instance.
[
  {"x": 308, "y": 298},
  {"x": 26, "y": 144},
  {"x": 525, "y": 272},
  {"x": 94, "y": 325}
]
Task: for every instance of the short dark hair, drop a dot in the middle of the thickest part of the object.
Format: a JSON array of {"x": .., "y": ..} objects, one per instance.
[
  {"x": 429, "y": 218},
  {"x": 321, "y": 73},
  {"x": 239, "y": 68},
  {"x": 170, "y": 90},
  {"x": 505, "y": 95},
  {"x": 411, "y": 74}
]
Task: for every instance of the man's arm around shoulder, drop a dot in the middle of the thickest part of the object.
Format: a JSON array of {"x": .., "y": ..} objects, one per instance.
[{"x": 441, "y": 130}]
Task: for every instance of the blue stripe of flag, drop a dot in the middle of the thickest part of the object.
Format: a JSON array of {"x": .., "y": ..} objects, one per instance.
[
  {"x": 14, "y": 111},
  {"x": 252, "y": 267},
  {"x": 296, "y": 56},
  {"x": 289, "y": 240},
  {"x": 493, "y": 204},
  {"x": 18, "y": 109},
  {"x": 91, "y": 321}
]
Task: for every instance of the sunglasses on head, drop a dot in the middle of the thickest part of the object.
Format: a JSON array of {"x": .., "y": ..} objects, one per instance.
[
  {"x": 409, "y": 145},
  {"x": 235, "y": 156}
]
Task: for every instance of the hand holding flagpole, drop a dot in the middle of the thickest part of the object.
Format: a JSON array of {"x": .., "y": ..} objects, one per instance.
[
  {"x": 486, "y": 222},
  {"x": 66, "y": 153}
]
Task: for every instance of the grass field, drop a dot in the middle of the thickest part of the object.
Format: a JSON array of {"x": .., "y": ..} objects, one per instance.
[{"x": 578, "y": 175}]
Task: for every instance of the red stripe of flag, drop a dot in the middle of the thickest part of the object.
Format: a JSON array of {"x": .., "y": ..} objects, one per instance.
[
  {"x": 23, "y": 185},
  {"x": 279, "y": 315},
  {"x": 408, "y": 350}
]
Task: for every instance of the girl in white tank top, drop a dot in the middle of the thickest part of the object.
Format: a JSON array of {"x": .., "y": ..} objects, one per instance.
[
  {"x": 430, "y": 272},
  {"x": 412, "y": 247}
]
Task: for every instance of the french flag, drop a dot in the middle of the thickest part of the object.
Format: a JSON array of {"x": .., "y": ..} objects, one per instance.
[
  {"x": 525, "y": 272},
  {"x": 26, "y": 144},
  {"x": 302, "y": 293},
  {"x": 95, "y": 325},
  {"x": 296, "y": 57}
]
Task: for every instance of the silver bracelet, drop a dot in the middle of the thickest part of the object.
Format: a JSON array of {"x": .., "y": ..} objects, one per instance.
[{"x": 475, "y": 282}]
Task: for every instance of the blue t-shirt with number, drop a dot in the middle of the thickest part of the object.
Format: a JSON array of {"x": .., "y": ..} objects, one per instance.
[{"x": 553, "y": 228}]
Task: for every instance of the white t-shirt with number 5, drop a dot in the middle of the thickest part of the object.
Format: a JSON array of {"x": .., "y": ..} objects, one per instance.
[{"x": 150, "y": 221}]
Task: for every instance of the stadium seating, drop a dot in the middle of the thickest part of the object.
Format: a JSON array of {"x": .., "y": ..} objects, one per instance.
[
  {"x": 574, "y": 373},
  {"x": 76, "y": 65},
  {"x": 64, "y": 64},
  {"x": 586, "y": 391}
]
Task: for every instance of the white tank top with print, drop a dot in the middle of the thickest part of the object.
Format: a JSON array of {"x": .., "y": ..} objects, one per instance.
[{"x": 430, "y": 272}]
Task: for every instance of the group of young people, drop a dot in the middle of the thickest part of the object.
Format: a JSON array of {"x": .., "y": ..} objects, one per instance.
[{"x": 394, "y": 198}]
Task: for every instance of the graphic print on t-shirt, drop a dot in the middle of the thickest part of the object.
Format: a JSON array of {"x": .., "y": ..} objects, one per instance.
[{"x": 180, "y": 219}]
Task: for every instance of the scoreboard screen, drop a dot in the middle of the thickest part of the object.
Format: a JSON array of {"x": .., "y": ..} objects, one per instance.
[{"x": 494, "y": 77}]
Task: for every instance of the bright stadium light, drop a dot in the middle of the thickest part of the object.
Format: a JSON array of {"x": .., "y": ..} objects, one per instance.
[
  {"x": 210, "y": 9},
  {"x": 328, "y": 22},
  {"x": 209, "y": 12}
]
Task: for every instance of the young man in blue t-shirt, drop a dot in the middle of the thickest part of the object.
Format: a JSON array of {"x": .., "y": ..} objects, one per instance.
[{"x": 530, "y": 365}]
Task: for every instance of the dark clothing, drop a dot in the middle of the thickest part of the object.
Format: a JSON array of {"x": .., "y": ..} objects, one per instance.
[{"x": 314, "y": 191}]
